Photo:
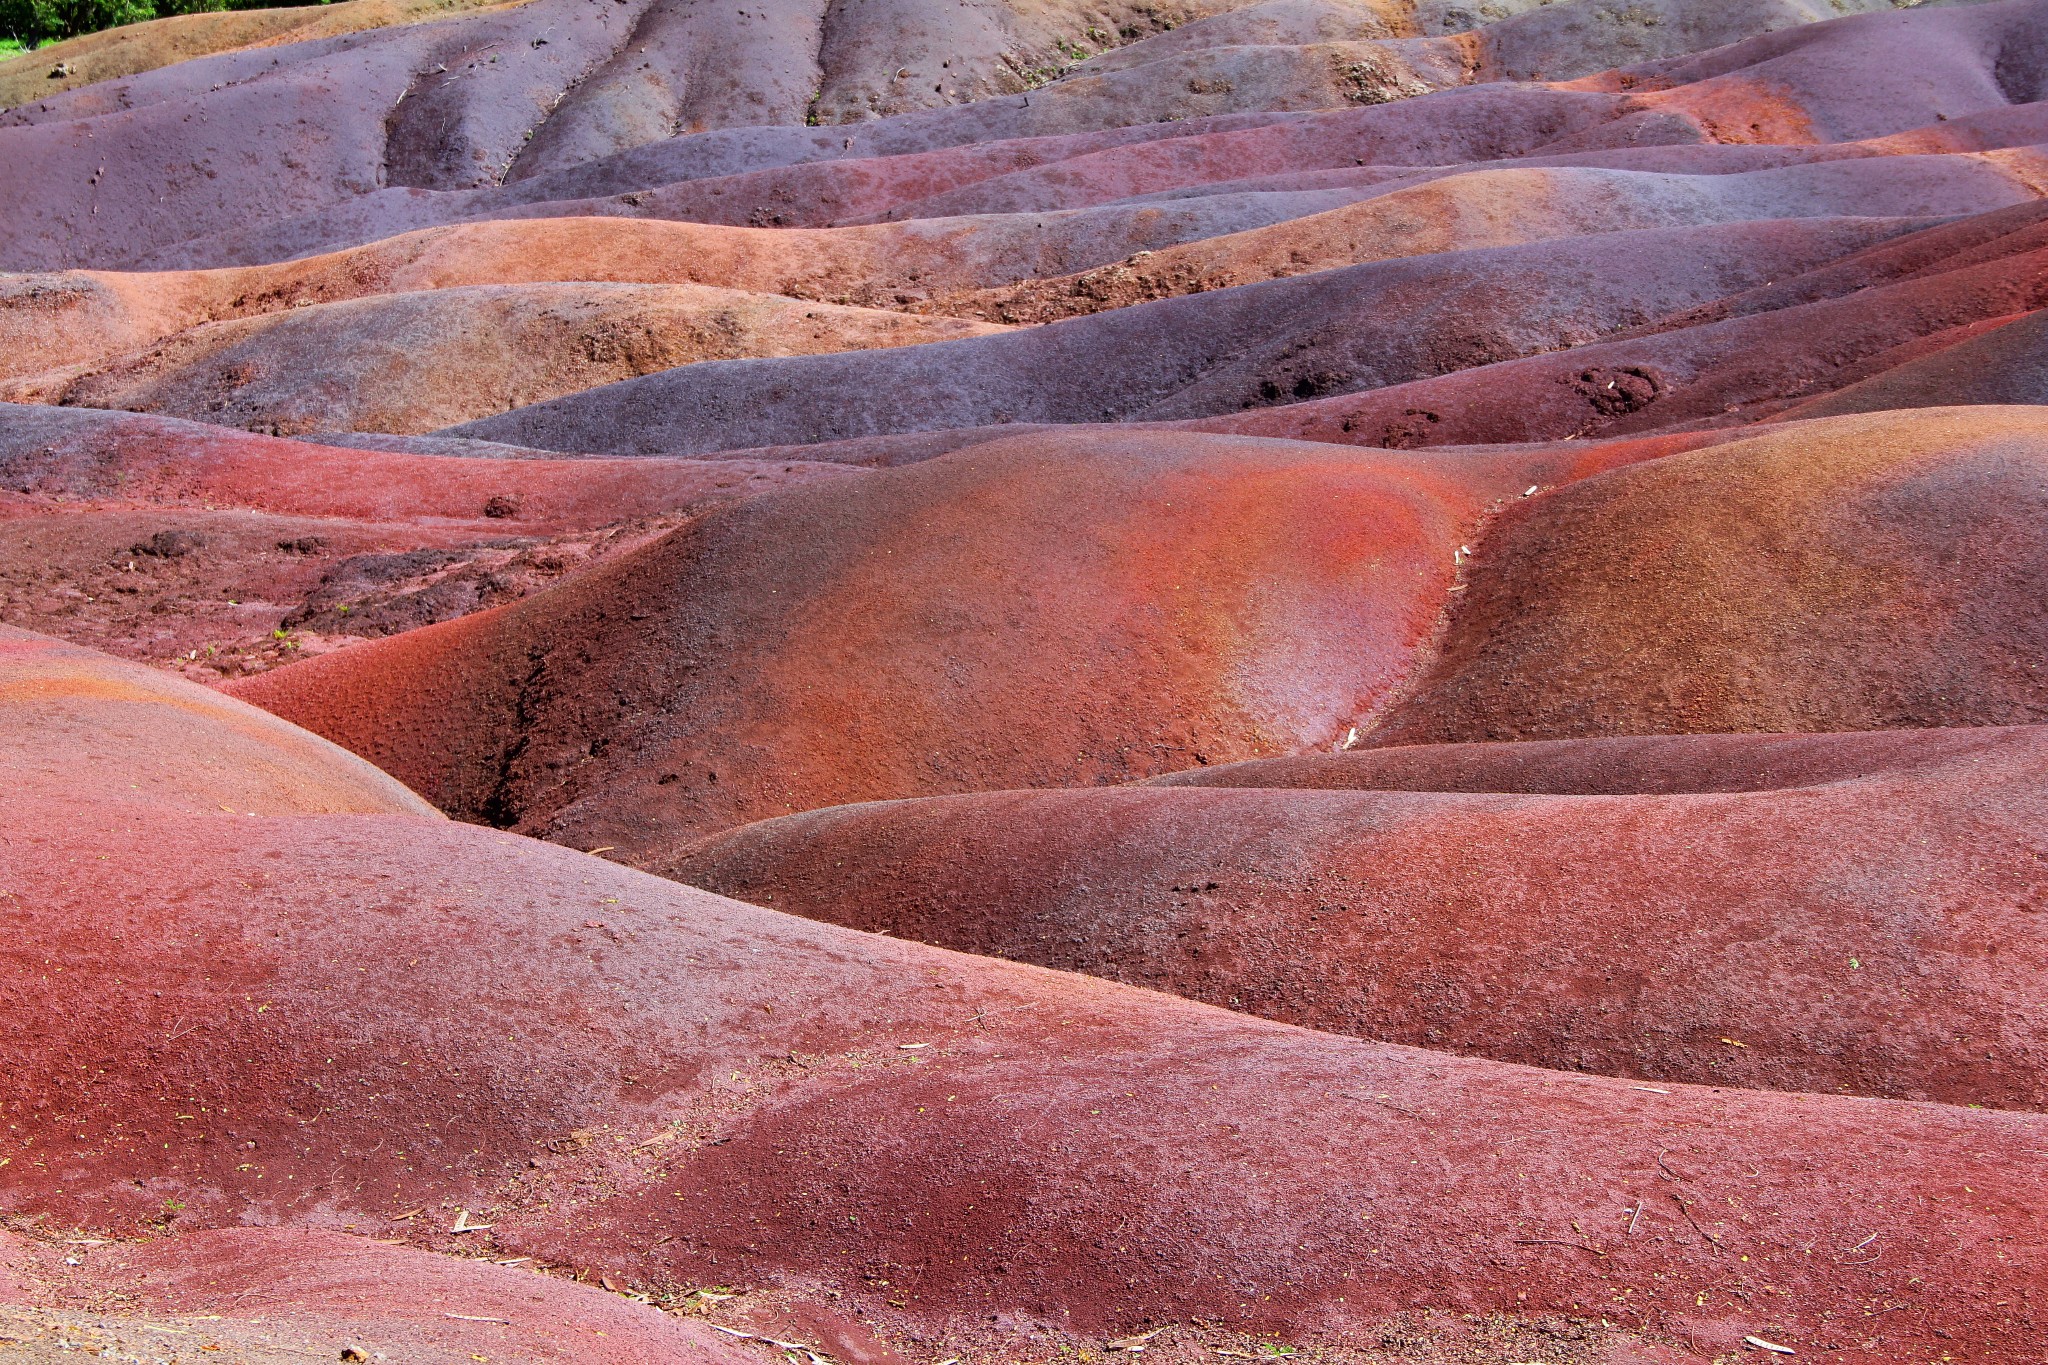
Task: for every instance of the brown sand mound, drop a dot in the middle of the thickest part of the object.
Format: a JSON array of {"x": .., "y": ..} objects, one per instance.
[
  {"x": 1495, "y": 208},
  {"x": 219, "y": 552},
  {"x": 415, "y": 362},
  {"x": 1748, "y": 587},
  {"x": 264, "y": 1015},
  {"x": 90, "y": 728}
]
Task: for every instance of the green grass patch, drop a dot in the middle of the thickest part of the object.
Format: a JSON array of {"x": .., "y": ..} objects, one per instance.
[{"x": 25, "y": 23}]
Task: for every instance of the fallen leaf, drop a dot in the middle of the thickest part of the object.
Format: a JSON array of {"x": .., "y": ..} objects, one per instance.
[{"x": 1136, "y": 1343}]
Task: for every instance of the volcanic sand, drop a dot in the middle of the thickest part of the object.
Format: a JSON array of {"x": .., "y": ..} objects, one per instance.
[
  {"x": 1844, "y": 912},
  {"x": 1741, "y": 588},
  {"x": 1361, "y": 327},
  {"x": 1066, "y": 607},
  {"x": 80, "y": 317},
  {"x": 1503, "y": 208},
  {"x": 627, "y": 1076},
  {"x": 270, "y": 1296},
  {"x": 85, "y": 728},
  {"x": 415, "y": 362},
  {"x": 341, "y": 124},
  {"x": 1999, "y": 363},
  {"x": 131, "y": 49},
  {"x": 224, "y": 551},
  {"x": 253, "y": 980},
  {"x": 1744, "y": 357}
]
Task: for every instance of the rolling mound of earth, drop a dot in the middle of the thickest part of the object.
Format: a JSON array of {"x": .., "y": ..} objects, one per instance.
[
  {"x": 937, "y": 684},
  {"x": 1087, "y": 606},
  {"x": 222, "y": 1291},
  {"x": 1074, "y": 606},
  {"x": 683, "y": 1098},
  {"x": 218, "y": 551},
  {"x": 413, "y": 362},
  {"x": 1712, "y": 909}
]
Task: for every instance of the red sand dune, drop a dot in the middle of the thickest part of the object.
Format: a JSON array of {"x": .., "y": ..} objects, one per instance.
[
  {"x": 1078, "y": 170},
  {"x": 132, "y": 49},
  {"x": 1857, "y": 912},
  {"x": 84, "y": 728},
  {"x": 1731, "y": 588},
  {"x": 1070, "y": 607},
  {"x": 70, "y": 318},
  {"x": 122, "y": 457},
  {"x": 1506, "y": 207},
  {"x": 1999, "y": 363},
  {"x": 1538, "y": 496},
  {"x": 76, "y": 317},
  {"x": 1261, "y": 345},
  {"x": 1624, "y": 765},
  {"x": 630, "y": 1077},
  {"x": 1750, "y": 355},
  {"x": 345, "y": 126}
]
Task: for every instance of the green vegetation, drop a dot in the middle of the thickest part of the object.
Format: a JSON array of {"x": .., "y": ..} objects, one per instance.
[{"x": 26, "y": 23}]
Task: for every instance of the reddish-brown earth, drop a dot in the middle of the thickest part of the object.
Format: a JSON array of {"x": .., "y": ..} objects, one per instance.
[
  {"x": 135, "y": 48},
  {"x": 1854, "y": 573},
  {"x": 271, "y": 1296},
  {"x": 619, "y": 1075},
  {"x": 1220, "y": 599},
  {"x": 1749, "y": 357},
  {"x": 1364, "y": 326},
  {"x": 218, "y": 551},
  {"x": 1066, "y": 607},
  {"x": 1344, "y": 679},
  {"x": 1844, "y": 912},
  {"x": 87, "y": 729}
]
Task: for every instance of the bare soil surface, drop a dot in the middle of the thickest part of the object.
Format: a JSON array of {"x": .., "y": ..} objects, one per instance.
[{"x": 1035, "y": 683}]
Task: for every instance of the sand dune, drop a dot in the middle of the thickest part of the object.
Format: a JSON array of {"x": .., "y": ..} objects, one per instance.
[{"x": 1342, "y": 680}]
